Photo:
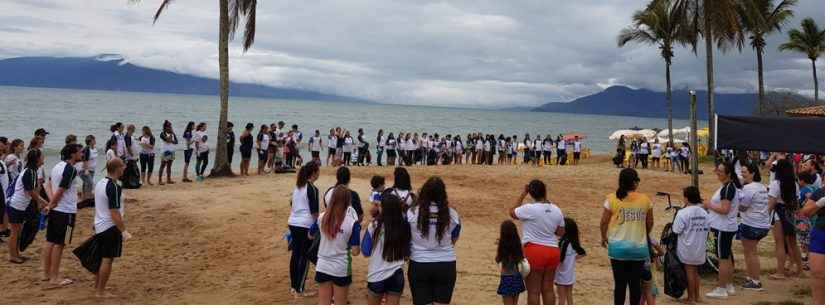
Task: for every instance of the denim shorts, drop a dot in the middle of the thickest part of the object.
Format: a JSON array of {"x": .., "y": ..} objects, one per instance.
[
  {"x": 393, "y": 285},
  {"x": 747, "y": 232}
]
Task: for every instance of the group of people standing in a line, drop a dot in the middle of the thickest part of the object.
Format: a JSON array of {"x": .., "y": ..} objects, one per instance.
[
  {"x": 644, "y": 154},
  {"x": 31, "y": 202}
]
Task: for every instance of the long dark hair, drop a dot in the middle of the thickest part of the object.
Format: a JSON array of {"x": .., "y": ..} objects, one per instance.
[
  {"x": 628, "y": 181},
  {"x": 189, "y": 126},
  {"x": 509, "y": 253},
  {"x": 401, "y": 179},
  {"x": 787, "y": 183},
  {"x": 336, "y": 211},
  {"x": 32, "y": 158},
  {"x": 433, "y": 192},
  {"x": 571, "y": 232},
  {"x": 395, "y": 227},
  {"x": 731, "y": 174},
  {"x": 305, "y": 173},
  {"x": 754, "y": 169}
]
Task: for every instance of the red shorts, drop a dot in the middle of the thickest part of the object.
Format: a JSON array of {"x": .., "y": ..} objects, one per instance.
[{"x": 541, "y": 256}]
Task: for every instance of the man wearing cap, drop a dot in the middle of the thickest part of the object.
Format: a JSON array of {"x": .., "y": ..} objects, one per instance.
[{"x": 61, "y": 212}]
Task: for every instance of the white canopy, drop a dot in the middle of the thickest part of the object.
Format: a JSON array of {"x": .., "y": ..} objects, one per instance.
[
  {"x": 627, "y": 133},
  {"x": 680, "y": 135}
]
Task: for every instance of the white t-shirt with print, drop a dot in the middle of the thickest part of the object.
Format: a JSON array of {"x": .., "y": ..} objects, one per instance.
[
  {"x": 755, "y": 210},
  {"x": 725, "y": 222},
  {"x": 539, "y": 223},
  {"x": 333, "y": 253},
  {"x": 378, "y": 269},
  {"x": 691, "y": 224},
  {"x": 427, "y": 249},
  {"x": 201, "y": 140}
]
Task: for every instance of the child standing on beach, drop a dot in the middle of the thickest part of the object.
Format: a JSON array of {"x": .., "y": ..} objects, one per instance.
[
  {"x": 691, "y": 224},
  {"x": 571, "y": 250},
  {"x": 340, "y": 241},
  {"x": 510, "y": 257},
  {"x": 378, "y": 186},
  {"x": 387, "y": 244}
]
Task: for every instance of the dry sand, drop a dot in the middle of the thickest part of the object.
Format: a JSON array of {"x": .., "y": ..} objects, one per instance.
[{"x": 220, "y": 242}]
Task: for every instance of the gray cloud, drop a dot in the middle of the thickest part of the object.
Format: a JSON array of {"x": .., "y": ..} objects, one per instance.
[{"x": 473, "y": 53}]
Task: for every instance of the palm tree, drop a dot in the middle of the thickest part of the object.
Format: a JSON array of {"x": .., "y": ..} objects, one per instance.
[
  {"x": 719, "y": 23},
  {"x": 659, "y": 24},
  {"x": 760, "y": 18},
  {"x": 811, "y": 41},
  {"x": 231, "y": 14}
]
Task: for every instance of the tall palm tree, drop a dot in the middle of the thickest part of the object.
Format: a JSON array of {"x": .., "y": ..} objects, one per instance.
[
  {"x": 663, "y": 25},
  {"x": 761, "y": 18},
  {"x": 811, "y": 41},
  {"x": 231, "y": 14},
  {"x": 719, "y": 23}
]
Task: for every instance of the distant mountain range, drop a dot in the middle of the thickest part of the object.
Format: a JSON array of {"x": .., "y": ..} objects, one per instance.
[
  {"x": 112, "y": 73},
  {"x": 620, "y": 100}
]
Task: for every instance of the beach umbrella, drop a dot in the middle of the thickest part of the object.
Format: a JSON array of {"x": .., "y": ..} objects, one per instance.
[
  {"x": 627, "y": 133},
  {"x": 572, "y": 136}
]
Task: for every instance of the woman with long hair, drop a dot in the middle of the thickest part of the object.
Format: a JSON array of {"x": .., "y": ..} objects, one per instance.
[
  {"x": 783, "y": 201},
  {"x": 188, "y": 136},
  {"x": 262, "y": 145},
  {"x": 340, "y": 239},
  {"x": 756, "y": 221},
  {"x": 627, "y": 220},
  {"x": 247, "y": 141},
  {"x": 723, "y": 210},
  {"x": 391, "y": 145},
  {"x": 387, "y": 244},
  {"x": 435, "y": 230},
  {"x": 147, "y": 155},
  {"x": 543, "y": 225},
  {"x": 170, "y": 141},
  {"x": 202, "y": 149},
  {"x": 303, "y": 215},
  {"x": 14, "y": 160},
  {"x": 26, "y": 191},
  {"x": 380, "y": 142}
]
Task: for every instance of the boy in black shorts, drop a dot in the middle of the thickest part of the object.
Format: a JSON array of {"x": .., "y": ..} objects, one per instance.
[
  {"x": 61, "y": 212},
  {"x": 110, "y": 229}
]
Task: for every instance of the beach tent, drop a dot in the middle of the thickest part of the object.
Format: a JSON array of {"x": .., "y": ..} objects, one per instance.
[
  {"x": 681, "y": 135},
  {"x": 796, "y": 135},
  {"x": 628, "y": 133}
]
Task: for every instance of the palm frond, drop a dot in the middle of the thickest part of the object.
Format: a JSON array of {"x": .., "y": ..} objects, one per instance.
[
  {"x": 163, "y": 6},
  {"x": 243, "y": 11}
]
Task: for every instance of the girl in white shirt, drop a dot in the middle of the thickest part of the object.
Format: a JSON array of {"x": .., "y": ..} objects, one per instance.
[
  {"x": 387, "y": 244},
  {"x": 756, "y": 221},
  {"x": 202, "y": 148},
  {"x": 783, "y": 201},
  {"x": 303, "y": 218},
  {"x": 13, "y": 161},
  {"x": 147, "y": 155},
  {"x": 691, "y": 225},
  {"x": 348, "y": 144},
  {"x": 340, "y": 239}
]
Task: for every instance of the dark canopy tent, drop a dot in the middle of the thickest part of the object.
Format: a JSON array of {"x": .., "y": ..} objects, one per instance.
[{"x": 799, "y": 135}]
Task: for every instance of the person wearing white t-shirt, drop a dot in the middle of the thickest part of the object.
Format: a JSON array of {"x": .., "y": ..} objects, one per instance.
[
  {"x": 577, "y": 150},
  {"x": 571, "y": 250},
  {"x": 387, "y": 244},
  {"x": 723, "y": 209},
  {"x": 349, "y": 144},
  {"x": 783, "y": 195},
  {"x": 542, "y": 225},
  {"x": 656, "y": 154},
  {"x": 61, "y": 211},
  {"x": 691, "y": 225},
  {"x": 435, "y": 229},
  {"x": 27, "y": 191},
  {"x": 262, "y": 147},
  {"x": 202, "y": 150},
  {"x": 315, "y": 145},
  {"x": 168, "y": 146},
  {"x": 303, "y": 219},
  {"x": 109, "y": 225},
  {"x": 147, "y": 155},
  {"x": 340, "y": 240},
  {"x": 756, "y": 222}
]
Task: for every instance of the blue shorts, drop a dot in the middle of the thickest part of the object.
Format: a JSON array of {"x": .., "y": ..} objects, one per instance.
[
  {"x": 321, "y": 278},
  {"x": 15, "y": 216},
  {"x": 393, "y": 285},
  {"x": 511, "y": 285},
  {"x": 747, "y": 232},
  {"x": 817, "y": 244}
]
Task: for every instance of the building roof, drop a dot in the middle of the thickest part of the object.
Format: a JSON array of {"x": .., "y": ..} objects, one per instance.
[{"x": 818, "y": 111}]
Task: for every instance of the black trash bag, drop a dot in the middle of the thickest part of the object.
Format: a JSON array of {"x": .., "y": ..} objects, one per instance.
[
  {"x": 31, "y": 225},
  {"x": 89, "y": 254},
  {"x": 675, "y": 275},
  {"x": 131, "y": 176},
  {"x": 312, "y": 251}
]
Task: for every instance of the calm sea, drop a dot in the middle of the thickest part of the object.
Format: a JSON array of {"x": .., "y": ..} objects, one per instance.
[{"x": 83, "y": 112}]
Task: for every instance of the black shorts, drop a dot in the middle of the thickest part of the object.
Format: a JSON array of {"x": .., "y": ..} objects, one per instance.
[
  {"x": 187, "y": 155},
  {"x": 786, "y": 219},
  {"x": 58, "y": 224},
  {"x": 110, "y": 243},
  {"x": 15, "y": 216},
  {"x": 724, "y": 243},
  {"x": 432, "y": 282},
  {"x": 330, "y": 151},
  {"x": 316, "y": 154},
  {"x": 321, "y": 278},
  {"x": 391, "y": 153},
  {"x": 262, "y": 155},
  {"x": 246, "y": 153},
  {"x": 577, "y": 155},
  {"x": 393, "y": 285}
]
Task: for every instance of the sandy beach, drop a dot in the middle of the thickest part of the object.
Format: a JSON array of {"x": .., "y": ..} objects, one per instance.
[{"x": 220, "y": 242}]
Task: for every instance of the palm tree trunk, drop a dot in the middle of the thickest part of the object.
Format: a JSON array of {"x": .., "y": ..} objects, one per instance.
[
  {"x": 669, "y": 104},
  {"x": 222, "y": 167},
  {"x": 816, "y": 83},
  {"x": 711, "y": 84},
  {"x": 759, "y": 68}
]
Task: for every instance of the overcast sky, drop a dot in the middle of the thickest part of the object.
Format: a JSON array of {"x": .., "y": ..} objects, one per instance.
[{"x": 467, "y": 53}]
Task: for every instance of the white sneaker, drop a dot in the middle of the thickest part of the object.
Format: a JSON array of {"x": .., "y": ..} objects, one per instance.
[
  {"x": 718, "y": 293},
  {"x": 731, "y": 289}
]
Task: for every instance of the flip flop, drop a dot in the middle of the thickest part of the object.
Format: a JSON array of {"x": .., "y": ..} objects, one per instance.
[
  {"x": 17, "y": 261},
  {"x": 64, "y": 283}
]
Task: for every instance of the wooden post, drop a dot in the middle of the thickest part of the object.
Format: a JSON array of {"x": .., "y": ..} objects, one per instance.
[{"x": 694, "y": 154}]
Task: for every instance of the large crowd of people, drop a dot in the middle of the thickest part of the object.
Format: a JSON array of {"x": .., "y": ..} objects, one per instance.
[{"x": 402, "y": 231}]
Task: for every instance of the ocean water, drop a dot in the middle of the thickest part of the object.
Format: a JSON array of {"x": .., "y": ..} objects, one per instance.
[{"x": 83, "y": 112}]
